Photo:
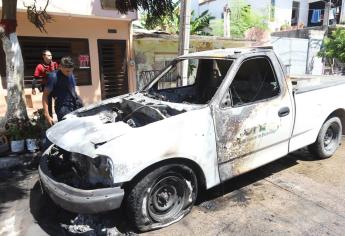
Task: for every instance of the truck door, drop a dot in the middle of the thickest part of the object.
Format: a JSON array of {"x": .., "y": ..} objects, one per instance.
[{"x": 254, "y": 118}]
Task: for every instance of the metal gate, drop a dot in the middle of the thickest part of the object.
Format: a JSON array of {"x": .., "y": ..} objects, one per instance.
[{"x": 113, "y": 67}]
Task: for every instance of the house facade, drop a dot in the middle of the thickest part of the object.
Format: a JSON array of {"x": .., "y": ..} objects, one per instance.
[
  {"x": 93, "y": 33},
  {"x": 279, "y": 12},
  {"x": 316, "y": 12}
]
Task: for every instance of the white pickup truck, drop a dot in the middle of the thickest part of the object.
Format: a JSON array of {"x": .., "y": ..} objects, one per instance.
[{"x": 152, "y": 151}]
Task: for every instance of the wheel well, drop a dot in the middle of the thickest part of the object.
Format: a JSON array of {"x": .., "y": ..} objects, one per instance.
[
  {"x": 181, "y": 161},
  {"x": 341, "y": 114}
]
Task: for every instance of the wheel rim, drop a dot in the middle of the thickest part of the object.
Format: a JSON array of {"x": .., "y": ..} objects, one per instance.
[
  {"x": 166, "y": 198},
  {"x": 331, "y": 137}
]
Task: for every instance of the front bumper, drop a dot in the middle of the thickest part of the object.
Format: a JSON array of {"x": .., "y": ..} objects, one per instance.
[{"x": 78, "y": 200}]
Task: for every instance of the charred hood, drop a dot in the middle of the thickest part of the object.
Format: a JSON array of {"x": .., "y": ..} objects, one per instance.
[{"x": 84, "y": 130}]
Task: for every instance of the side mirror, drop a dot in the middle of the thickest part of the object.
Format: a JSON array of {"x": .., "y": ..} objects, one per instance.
[{"x": 226, "y": 102}]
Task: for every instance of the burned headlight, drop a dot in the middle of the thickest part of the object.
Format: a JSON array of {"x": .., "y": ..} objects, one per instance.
[{"x": 93, "y": 171}]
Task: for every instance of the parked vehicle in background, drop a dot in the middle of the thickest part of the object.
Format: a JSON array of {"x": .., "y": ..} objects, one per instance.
[{"x": 152, "y": 151}]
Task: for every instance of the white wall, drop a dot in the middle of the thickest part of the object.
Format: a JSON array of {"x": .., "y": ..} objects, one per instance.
[
  {"x": 88, "y": 8},
  {"x": 293, "y": 53},
  {"x": 260, "y": 5},
  {"x": 303, "y": 12},
  {"x": 215, "y": 7},
  {"x": 283, "y": 11}
]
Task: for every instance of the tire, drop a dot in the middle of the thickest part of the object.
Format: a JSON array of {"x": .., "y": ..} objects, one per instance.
[
  {"x": 162, "y": 197},
  {"x": 328, "y": 139}
]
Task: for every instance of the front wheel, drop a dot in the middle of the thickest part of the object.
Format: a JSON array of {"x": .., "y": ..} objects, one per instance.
[
  {"x": 162, "y": 197},
  {"x": 328, "y": 140}
]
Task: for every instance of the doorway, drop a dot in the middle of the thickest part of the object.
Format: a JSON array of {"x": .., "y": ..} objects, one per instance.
[{"x": 113, "y": 67}]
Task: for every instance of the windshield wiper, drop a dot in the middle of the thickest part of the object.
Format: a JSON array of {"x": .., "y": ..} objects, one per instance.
[{"x": 155, "y": 95}]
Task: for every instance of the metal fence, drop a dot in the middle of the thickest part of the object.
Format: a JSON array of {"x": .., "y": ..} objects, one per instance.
[
  {"x": 168, "y": 81},
  {"x": 146, "y": 77}
]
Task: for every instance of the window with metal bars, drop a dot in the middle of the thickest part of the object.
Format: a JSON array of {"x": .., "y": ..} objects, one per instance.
[{"x": 78, "y": 49}]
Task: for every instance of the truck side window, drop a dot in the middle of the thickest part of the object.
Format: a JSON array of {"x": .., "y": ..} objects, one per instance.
[
  {"x": 254, "y": 81},
  {"x": 202, "y": 80}
]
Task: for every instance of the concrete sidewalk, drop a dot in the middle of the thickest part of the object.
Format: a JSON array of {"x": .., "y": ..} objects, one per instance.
[{"x": 16, "y": 160}]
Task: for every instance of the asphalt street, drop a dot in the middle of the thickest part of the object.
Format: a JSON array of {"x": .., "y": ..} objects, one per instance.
[{"x": 295, "y": 195}]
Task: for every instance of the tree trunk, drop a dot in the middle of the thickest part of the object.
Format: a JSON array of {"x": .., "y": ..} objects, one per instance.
[{"x": 16, "y": 107}]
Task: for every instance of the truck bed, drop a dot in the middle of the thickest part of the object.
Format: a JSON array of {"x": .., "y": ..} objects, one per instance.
[
  {"x": 316, "y": 97},
  {"x": 306, "y": 83}
]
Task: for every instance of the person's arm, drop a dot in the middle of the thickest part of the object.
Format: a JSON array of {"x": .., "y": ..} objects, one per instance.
[
  {"x": 34, "y": 80},
  {"x": 46, "y": 92},
  {"x": 56, "y": 65},
  {"x": 45, "y": 95}
]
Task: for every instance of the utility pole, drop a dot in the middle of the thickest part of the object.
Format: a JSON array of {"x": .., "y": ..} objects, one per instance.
[
  {"x": 184, "y": 33},
  {"x": 227, "y": 16},
  {"x": 326, "y": 14},
  {"x": 342, "y": 13}
]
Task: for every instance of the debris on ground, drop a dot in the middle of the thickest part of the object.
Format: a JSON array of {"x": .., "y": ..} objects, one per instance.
[
  {"x": 209, "y": 205},
  {"x": 91, "y": 226}
]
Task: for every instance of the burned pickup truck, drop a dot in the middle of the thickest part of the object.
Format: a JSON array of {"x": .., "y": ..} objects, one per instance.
[{"x": 206, "y": 118}]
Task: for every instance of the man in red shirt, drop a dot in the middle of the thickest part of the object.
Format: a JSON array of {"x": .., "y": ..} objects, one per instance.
[{"x": 41, "y": 74}]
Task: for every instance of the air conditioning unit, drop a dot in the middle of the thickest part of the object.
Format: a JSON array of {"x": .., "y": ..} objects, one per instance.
[{"x": 108, "y": 4}]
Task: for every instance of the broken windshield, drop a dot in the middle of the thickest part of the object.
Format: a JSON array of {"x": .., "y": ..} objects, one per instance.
[{"x": 192, "y": 80}]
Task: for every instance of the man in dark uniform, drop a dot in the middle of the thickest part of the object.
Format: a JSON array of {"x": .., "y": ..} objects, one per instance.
[{"x": 61, "y": 86}]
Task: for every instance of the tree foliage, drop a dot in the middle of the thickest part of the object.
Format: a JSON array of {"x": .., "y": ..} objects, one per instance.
[
  {"x": 334, "y": 46},
  {"x": 168, "y": 23},
  {"x": 217, "y": 26},
  {"x": 156, "y": 10},
  {"x": 199, "y": 25},
  {"x": 243, "y": 18}
]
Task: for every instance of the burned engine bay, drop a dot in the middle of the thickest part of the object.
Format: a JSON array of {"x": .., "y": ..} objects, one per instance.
[
  {"x": 73, "y": 159},
  {"x": 134, "y": 112},
  {"x": 79, "y": 171}
]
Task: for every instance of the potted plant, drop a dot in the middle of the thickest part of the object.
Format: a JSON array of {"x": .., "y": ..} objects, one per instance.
[
  {"x": 301, "y": 25},
  {"x": 41, "y": 125},
  {"x": 4, "y": 145},
  {"x": 283, "y": 27},
  {"x": 32, "y": 134},
  {"x": 15, "y": 131}
]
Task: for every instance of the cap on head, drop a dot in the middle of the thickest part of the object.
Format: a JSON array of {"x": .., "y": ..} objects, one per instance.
[{"x": 67, "y": 62}]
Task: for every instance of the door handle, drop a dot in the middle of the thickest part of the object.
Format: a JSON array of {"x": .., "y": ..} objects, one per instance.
[{"x": 284, "y": 112}]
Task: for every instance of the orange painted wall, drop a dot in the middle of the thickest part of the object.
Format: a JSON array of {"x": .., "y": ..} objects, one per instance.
[{"x": 76, "y": 27}]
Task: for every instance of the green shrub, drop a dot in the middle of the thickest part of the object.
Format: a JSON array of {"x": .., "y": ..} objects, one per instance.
[{"x": 334, "y": 46}]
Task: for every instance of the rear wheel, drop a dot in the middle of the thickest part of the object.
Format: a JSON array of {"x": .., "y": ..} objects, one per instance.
[
  {"x": 162, "y": 197},
  {"x": 328, "y": 140}
]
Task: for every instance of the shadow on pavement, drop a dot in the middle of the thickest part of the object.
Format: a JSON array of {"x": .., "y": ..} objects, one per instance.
[
  {"x": 47, "y": 215},
  {"x": 12, "y": 185},
  {"x": 52, "y": 218},
  {"x": 235, "y": 185}
]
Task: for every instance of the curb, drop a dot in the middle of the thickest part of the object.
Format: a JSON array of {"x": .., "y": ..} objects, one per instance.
[{"x": 15, "y": 160}]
